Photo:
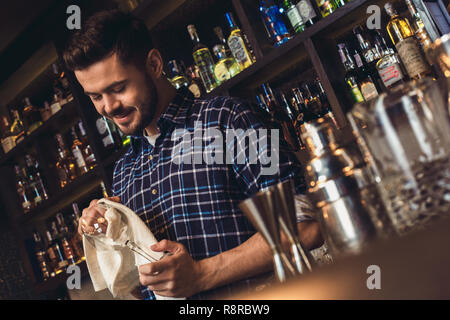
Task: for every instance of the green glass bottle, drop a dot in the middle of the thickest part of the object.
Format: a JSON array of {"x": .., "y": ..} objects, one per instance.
[
  {"x": 326, "y": 7},
  {"x": 294, "y": 16}
]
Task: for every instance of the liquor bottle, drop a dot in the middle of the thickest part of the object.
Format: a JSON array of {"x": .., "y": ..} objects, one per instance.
[
  {"x": 17, "y": 127},
  {"x": 369, "y": 52},
  {"x": 402, "y": 36},
  {"x": 367, "y": 83},
  {"x": 104, "y": 190},
  {"x": 340, "y": 3},
  {"x": 219, "y": 33},
  {"x": 308, "y": 11},
  {"x": 294, "y": 16},
  {"x": 55, "y": 254},
  {"x": 203, "y": 59},
  {"x": 46, "y": 111},
  {"x": 326, "y": 7},
  {"x": 62, "y": 233},
  {"x": 236, "y": 43},
  {"x": 77, "y": 152},
  {"x": 35, "y": 179},
  {"x": 41, "y": 256},
  {"x": 226, "y": 67},
  {"x": 61, "y": 85},
  {"x": 195, "y": 85},
  {"x": 388, "y": 66},
  {"x": 176, "y": 74},
  {"x": 312, "y": 102},
  {"x": 293, "y": 138},
  {"x": 8, "y": 139},
  {"x": 298, "y": 101},
  {"x": 108, "y": 133},
  {"x": 419, "y": 30},
  {"x": 76, "y": 239},
  {"x": 56, "y": 104},
  {"x": 325, "y": 104},
  {"x": 22, "y": 190},
  {"x": 65, "y": 164},
  {"x": 279, "y": 117},
  {"x": 32, "y": 116},
  {"x": 273, "y": 22},
  {"x": 350, "y": 77},
  {"x": 86, "y": 149}
]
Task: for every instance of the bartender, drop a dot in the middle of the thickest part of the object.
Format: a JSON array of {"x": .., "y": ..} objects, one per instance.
[{"x": 190, "y": 207}]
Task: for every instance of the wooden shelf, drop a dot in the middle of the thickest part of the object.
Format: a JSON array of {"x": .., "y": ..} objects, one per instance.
[
  {"x": 73, "y": 191},
  {"x": 68, "y": 111}
]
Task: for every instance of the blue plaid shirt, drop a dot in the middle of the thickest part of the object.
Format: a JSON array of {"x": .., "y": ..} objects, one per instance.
[{"x": 197, "y": 204}]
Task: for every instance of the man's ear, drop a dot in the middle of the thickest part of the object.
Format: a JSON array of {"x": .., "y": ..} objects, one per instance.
[{"x": 154, "y": 64}]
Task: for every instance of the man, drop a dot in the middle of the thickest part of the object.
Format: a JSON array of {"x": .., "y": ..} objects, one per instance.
[{"x": 191, "y": 208}]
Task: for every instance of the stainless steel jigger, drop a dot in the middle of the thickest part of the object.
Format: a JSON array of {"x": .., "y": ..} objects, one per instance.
[
  {"x": 284, "y": 205},
  {"x": 260, "y": 211}
]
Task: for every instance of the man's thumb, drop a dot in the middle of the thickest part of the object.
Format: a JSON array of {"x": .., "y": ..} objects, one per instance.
[{"x": 115, "y": 199}]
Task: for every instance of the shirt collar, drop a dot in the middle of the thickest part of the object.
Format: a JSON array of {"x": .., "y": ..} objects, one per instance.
[{"x": 176, "y": 114}]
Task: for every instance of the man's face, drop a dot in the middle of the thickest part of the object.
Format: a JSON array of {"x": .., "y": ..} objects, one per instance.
[{"x": 121, "y": 92}]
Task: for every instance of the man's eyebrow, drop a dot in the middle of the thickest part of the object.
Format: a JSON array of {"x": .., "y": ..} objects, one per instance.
[{"x": 108, "y": 88}]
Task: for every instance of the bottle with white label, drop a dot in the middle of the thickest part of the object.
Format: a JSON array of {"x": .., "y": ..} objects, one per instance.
[
  {"x": 77, "y": 151},
  {"x": 293, "y": 15},
  {"x": 403, "y": 37},
  {"x": 237, "y": 45},
  {"x": 308, "y": 11}
]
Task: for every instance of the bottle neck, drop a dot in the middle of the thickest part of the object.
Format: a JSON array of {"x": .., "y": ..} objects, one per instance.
[
  {"x": 231, "y": 22},
  {"x": 194, "y": 36},
  {"x": 346, "y": 59}
]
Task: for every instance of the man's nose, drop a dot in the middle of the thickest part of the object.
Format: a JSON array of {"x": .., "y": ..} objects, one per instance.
[{"x": 111, "y": 104}]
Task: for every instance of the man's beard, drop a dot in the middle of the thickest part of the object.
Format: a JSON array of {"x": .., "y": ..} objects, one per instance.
[{"x": 147, "y": 111}]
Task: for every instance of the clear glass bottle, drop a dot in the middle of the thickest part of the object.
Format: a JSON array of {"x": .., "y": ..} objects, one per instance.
[
  {"x": 325, "y": 104},
  {"x": 236, "y": 43},
  {"x": 388, "y": 66},
  {"x": 403, "y": 37},
  {"x": 65, "y": 164},
  {"x": 63, "y": 235},
  {"x": 88, "y": 154},
  {"x": 22, "y": 188},
  {"x": 176, "y": 74},
  {"x": 8, "y": 140},
  {"x": 32, "y": 116},
  {"x": 419, "y": 30},
  {"x": 76, "y": 239},
  {"x": 77, "y": 152},
  {"x": 294, "y": 16},
  {"x": 273, "y": 22},
  {"x": 203, "y": 59},
  {"x": 35, "y": 180},
  {"x": 219, "y": 33},
  {"x": 17, "y": 127},
  {"x": 55, "y": 254},
  {"x": 41, "y": 256},
  {"x": 226, "y": 67},
  {"x": 195, "y": 85},
  {"x": 61, "y": 85}
]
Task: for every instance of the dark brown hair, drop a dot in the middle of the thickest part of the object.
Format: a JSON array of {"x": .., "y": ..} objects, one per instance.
[{"x": 105, "y": 33}]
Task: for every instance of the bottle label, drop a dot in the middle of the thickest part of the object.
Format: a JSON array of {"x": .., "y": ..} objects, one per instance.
[
  {"x": 55, "y": 107},
  {"x": 238, "y": 50},
  {"x": 411, "y": 56},
  {"x": 107, "y": 141},
  {"x": 221, "y": 72},
  {"x": 26, "y": 204},
  {"x": 194, "y": 88},
  {"x": 79, "y": 157},
  {"x": 369, "y": 90},
  {"x": 357, "y": 95},
  {"x": 101, "y": 125},
  {"x": 390, "y": 74},
  {"x": 306, "y": 10},
  {"x": 294, "y": 17}
]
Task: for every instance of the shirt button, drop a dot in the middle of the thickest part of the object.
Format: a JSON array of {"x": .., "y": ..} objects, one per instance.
[
  {"x": 154, "y": 191},
  {"x": 150, "y": 157}
]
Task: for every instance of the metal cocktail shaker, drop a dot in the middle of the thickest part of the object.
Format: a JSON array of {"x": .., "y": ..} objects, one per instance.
[{"x": 341, "y": 187}]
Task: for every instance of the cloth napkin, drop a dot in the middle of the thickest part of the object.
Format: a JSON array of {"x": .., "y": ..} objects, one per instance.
[{"x": 110, "y": 262}]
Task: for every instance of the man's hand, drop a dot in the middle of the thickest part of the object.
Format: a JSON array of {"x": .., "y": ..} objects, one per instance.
[
  {"x": 94, "y": 215},
  {"x": 176, "y": 275}
]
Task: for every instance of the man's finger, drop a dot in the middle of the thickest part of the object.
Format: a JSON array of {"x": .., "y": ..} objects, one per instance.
[{"x": 166, "y": 245}]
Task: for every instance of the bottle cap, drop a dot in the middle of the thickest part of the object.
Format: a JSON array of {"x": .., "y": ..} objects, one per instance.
[
  {"x": 219, "y": 51},
  {"x": 390, "y": 10}
]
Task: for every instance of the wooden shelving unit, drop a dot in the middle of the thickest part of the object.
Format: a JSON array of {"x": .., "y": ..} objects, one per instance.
[{"x": 312, "y": 52}]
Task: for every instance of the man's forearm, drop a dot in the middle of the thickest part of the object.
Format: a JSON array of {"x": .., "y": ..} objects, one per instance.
[{"x": 251, "y": 258}]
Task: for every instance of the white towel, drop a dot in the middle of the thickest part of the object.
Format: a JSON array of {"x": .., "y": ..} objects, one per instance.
[{"x": 110, "y": 262}]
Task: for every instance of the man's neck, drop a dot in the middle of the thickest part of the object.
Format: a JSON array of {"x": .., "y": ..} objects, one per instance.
[{"x": 166, "y": 93}]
